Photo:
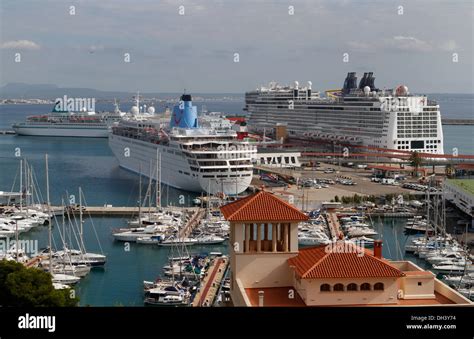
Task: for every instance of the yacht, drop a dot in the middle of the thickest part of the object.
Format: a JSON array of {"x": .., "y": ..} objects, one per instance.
[
  {"x": 131, "y": 235},
  {"x": 453, "y": 269}
]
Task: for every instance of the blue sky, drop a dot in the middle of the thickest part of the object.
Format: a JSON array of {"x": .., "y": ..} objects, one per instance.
[{"x": 169, "y": 51}]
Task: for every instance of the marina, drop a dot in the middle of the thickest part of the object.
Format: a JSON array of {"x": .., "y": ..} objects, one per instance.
[{"x": 111, "y": 215}]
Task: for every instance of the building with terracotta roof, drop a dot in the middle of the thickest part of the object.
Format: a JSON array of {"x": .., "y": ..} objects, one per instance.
[{"x": 268, "y": 269}]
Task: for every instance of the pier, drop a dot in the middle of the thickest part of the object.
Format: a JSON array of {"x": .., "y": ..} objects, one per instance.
[
  {"x": 334, "y": 225},
  {"x": 192, "y": 223},
  {"x": 211, "y": 283}
]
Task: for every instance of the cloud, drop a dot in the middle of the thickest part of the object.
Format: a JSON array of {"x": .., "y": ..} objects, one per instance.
[
  {"x": 20, "y": 45},
  {"x": 409, "y": 43},
  {"x": 404, "y": 44},
  {"x": 449, "y": 46}
]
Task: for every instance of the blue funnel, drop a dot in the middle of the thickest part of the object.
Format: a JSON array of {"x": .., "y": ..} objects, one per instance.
[{"x": 184, "y": 114}]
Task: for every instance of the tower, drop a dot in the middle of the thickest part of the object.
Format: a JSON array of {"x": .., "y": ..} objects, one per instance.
[{"x": 263, "y": 236}]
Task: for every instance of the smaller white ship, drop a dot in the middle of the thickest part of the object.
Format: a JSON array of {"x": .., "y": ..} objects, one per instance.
[{"x": 69, "y": 124}]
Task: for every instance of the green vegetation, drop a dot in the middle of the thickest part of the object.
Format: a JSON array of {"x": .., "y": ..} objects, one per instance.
[
  {"x": 355, "y": 199},
  {"x": 30, "y": 287},
  {"x": 415, "y": 161},
  {"x": 465, "y": 184}
]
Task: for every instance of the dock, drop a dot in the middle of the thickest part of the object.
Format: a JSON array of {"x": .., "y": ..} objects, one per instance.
[
  {"x": 210, "y": 284},
  {"x": 448, "y": 121},
  {"x": 121, "y": 210},
  {"x": 392, "y": 214},
  {"x": 334, "y": 225},
  {"x": 192, "y": 223}
]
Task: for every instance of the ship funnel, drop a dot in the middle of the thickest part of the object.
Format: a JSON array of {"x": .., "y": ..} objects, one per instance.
[
  {"x": 350, "y": 82},
  {"x": 184, "y": 114},
  {"x": 353, "y": 82},
  {"x": 363, "y": 81},
  {"x": 371, "y": 81}
]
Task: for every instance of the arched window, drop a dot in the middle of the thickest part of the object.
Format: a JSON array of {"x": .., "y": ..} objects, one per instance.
[
  {"x": 325, "y": 288},
  {"x": 365, "y": 287},
  {"x": 352, "y": 287},
  {"x": 339, "y": 287},
  {"x": 378, "y": 286}
]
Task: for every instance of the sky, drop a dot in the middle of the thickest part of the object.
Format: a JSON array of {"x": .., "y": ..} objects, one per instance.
[{"x": 425, "y": 45}]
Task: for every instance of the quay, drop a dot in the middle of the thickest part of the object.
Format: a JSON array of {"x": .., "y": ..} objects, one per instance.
[
  {"x": 210, "y": 284},
  {"x": 392, "y": 214},
  {"x": 447, "y": 121},
  {"x": 334, "y": 225},
  {"x": 192, "y": 223},
  {"x": 121, "y": 210}
]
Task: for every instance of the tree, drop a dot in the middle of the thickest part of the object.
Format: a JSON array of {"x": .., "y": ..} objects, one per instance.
[
  {"x": 357, "y": 198},
  {"x": 336, "y": 199},
  {"x": 30, "y": 287},
  {"x": 450, "y": 170},
  {"x": 416, "y": 161}
]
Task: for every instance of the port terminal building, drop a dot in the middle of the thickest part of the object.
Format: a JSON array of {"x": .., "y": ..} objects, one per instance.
[{"x": 460, "y": 192}]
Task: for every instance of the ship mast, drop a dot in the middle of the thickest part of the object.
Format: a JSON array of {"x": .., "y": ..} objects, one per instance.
[
  {"x": 21, "y": 185},
  {"x": 49, "y": 215},
  {"x": 140, "y": 196},
  {"x": 158, "y": 179}
]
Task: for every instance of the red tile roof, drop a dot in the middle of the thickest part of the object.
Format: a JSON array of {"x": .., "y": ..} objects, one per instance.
[
  {"x": 342, "y": 260},
  {"x": 262, "y": 206}
]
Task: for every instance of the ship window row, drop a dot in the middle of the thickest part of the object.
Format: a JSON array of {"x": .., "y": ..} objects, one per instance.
[
  {"x": 434, "y": 114},
  {"x": 406, "y": 142},
  {"x": 351, "y": 287},
  {"x": 227, "y": 176},
  {"x": 413, "y": 119},
  {"x": 204, "y": 170},
  {"x": 434, "y": 135}
]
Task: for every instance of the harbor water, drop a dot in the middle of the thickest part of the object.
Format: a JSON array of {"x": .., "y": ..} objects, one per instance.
[{"x": 90, "y": 164}]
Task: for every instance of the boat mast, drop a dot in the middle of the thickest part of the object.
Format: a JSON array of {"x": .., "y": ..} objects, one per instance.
[
  {"x": 149, "y": 189},
  {"x": 158, "y": 179},
  {"x": 16, "y": 238},
  {"x": 81, "y": 233},
  {"x": 140, "y": 195},
  {"x": 21, "y": 185},
  {"x": 49, "y": 215}
]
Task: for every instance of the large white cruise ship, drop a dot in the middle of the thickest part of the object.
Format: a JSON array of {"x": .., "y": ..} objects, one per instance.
[
  {"x": 190, "y": 156},
  {"x": 358, "y": 115}
]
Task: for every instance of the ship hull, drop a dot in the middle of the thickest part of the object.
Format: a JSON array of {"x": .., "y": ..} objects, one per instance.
[
  {"x": 136, "y": 155},
  {"x": 62, "y": 131}
]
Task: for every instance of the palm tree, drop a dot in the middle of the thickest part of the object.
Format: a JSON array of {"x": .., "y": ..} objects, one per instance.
[
  {"x": 416, "y": 161},
  {"x": 450, "y": 170}
]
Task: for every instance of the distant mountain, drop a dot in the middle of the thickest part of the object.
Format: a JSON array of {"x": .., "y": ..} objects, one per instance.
[{"x": 49, "y": 91}]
